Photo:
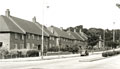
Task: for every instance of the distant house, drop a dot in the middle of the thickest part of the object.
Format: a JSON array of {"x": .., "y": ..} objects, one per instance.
[
  {"x": 63, "y": 38},
  {"x": 83, "y": 36},
  {"x": 16, "y": 33},
  {"x": 79, "y": 40}
]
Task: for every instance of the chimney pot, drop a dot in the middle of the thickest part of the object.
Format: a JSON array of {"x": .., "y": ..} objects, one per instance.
[
  {"x": 34, "y": 19},
  {"x": 74, "y": 30},
  {"x": 80, "y": 30},
  {"x": 61, "y": 28},
  {"x": 7, "y": 12}
]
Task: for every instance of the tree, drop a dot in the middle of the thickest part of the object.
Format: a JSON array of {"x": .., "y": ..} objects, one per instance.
[{"x": 112, "y": 44}]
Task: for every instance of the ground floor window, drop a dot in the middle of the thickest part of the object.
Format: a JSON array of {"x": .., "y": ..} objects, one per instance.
[
  {"x": 28, "y": 45},
  {"x": 21, "y": 46},
  {"x": 15, "y": 46}
]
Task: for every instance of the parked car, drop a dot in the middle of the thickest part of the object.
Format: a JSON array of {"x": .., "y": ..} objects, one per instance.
[{"x": 84, "y": 53}]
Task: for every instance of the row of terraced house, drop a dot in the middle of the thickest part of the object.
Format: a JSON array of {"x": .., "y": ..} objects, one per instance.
[{"x": 17, "y": 33}]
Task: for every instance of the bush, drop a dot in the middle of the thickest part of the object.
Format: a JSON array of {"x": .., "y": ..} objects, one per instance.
[
  {"x": 14, "y": 53},
  {"x": 32, "y": 53},
  {"x": 3, "y": 52},
  {"x": 53, "y": 49},
  {"x": 110, "y": 53},
  {"x": 104, "y": 54}
]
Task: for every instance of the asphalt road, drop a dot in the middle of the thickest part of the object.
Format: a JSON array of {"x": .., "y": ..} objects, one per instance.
[{"x": 65, "y": 63}]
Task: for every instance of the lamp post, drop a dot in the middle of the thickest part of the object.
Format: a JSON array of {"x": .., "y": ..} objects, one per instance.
[
  {"x": 43, "y": 16},
  {"x": 42, "y": 30},
  {"x": 113, "y": 32},
  {"x": 104, "y": 38}
]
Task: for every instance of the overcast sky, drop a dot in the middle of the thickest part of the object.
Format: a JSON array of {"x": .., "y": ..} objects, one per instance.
[{"x": 66, "y": 13}]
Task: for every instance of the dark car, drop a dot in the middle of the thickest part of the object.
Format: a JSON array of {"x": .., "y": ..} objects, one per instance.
[{"x": 84, "y": 53}]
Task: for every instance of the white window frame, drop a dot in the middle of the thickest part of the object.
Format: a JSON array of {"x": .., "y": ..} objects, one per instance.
[
  {"x": 22, "y": 36},
  {"x": 28, "y": 45},
  {"x": 16, "y": 36},
  {"x": 16, "y": 46},
  {"x": 28, "y": 35},
  {"x": 33, "y": 36}
]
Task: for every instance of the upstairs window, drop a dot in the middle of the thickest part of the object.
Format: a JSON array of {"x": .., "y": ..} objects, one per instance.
[
  {"x": 33, "y": 36},
  {"x": 16, "y": 36},
  {"x": 28, "y": 36},
  {"x": 15, "y": 46},
  {"x": 22, "y": 37}
]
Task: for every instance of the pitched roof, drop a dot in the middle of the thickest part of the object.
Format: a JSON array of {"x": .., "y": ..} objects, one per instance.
[
  {"x": 76, "y": 36},
  {"x": 6, "y": 25},
  {"x": 61, "y": 33},
  {"x": 83, "y": 35},
  {"x": 27, "y": 26},
  {"x": 45, "y": 29}
]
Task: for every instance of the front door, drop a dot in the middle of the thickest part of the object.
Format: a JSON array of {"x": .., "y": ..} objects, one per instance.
[{"x": 39, "y": 47}]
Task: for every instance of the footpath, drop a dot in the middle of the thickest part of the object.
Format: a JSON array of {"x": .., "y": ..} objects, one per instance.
[{"x": 91, "y": 55}]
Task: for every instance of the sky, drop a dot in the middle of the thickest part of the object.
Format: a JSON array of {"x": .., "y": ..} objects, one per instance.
[{"x": 66, "y": 13}]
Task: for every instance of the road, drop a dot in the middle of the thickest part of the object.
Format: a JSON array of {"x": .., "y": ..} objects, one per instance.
[{"x": 65, "y": 63}]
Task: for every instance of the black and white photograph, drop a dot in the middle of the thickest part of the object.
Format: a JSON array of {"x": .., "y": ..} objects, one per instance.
[{"x": 59, "y": 34}]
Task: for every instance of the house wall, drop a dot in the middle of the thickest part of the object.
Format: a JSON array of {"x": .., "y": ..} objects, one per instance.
[
  {"x": 66, "y": 42},
  {"x": 32, "y": 41},
  {"x": 16, "y": 41},
  {"x": 5, "y": 38},
  {"x": 52, "y": 41}
]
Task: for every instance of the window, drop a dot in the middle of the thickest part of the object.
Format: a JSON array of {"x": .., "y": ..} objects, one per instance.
[
  {"x": 38, "y": 37},
  {"x": 15, "y": 46},
  {"x": 50, "y": 46},
  {"x": 33, "y": 45},
  {"x": 28, "y": 36},
  {"x": 28, "y": 45},
  {"x": 16, "y": 35},
  {"x": 22, "y": 37},
  {"x": 33, "y": 36},
  {"x": 21, "y": 46},
  {"x": 50, "y": 38}
]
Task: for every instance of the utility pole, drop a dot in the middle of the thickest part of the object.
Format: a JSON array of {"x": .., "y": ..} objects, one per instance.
[
  {"x": 43, "y": 16},
  {"x": 42, "y": 30},
  {"x": 113, "y": 32},
  {"x": 104, "y": 38}
]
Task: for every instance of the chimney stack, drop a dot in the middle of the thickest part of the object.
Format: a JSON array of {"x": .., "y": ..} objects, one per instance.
[
  {"x": 75, "y": 30},
  {"x": 61, "y": 28},
  {"x": 7, "y": 12},
  {"x": 34, "y": 19},
  {"x": 80, "y": 30}
]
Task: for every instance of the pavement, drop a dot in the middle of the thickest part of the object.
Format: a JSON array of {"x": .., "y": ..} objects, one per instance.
[{"x": 95, "y": 55}]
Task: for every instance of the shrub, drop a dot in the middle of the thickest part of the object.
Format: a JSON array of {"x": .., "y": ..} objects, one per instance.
[
  {"x": 110, "y": 53},
  {"x": 53, "y": 49},
  {"x": 23, "y": 52},
  {"x": 104, "y": 54},
  {"x": 3, "y": 52},
  {"x": 32, "y": 53},
  {"x": 14, "y": 53}
]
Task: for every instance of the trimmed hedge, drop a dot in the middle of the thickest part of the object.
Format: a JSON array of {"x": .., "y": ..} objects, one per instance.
[
  {"x": 22, "y": 53},
  {"x": 110, "y": 53},
  {"x": 32, "y": 53}
]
